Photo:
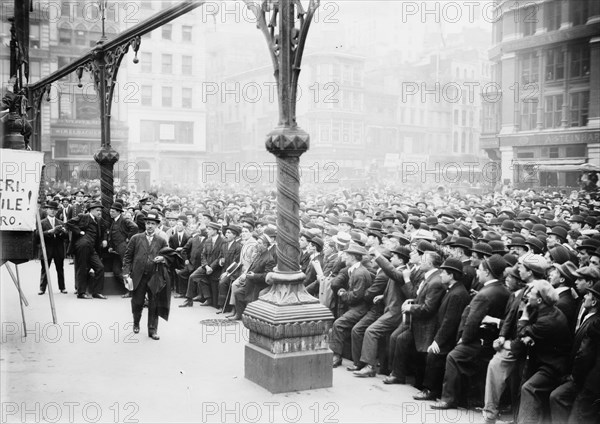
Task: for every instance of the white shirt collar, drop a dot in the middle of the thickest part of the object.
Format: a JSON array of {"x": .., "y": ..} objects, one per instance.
[
  {"x": 490, "y": 282},
  {"x": 353, "y": 267}
]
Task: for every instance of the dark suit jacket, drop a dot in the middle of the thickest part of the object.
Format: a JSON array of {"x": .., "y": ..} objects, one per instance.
[
  {"x": 230, "y": 254},
  {"x": 212, "y": 252},
  {"x": 469, "y": 274},
  {"x": 490, "y": 300},
  {"x": 453, "y": 304},
  {"x": 585, "y": 351},
  {"x": 174, "y": 240},
  {"x": 377, "y": 286},
  {"x": 397, "y": 290},
  {"x": 55, "y": 246},
  {"x": 139, "y": 254},
  {"x": 568, "y": 305},
  {"x": 423, "y": 312},
  {"x": 310, "y": 280},
  {"x": 94, "y": 231},
  {"x": 192, "y": 251},
  {"x": 358, "y": 282},
  {"x": 120, "y": 233},
  {"x": 508, "y": 325},
  {"x": 552, "y": 337},
  {"x": 261, "y": 265}
]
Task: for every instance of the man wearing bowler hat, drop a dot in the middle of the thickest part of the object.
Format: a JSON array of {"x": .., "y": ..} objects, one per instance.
[
  {"x": 211, "y": 254},
  {"x": 119, "y": 233},
  {"x": 88, "y": 235},
  {"x": 231, "y": 250},
  {"x": 54, "y": 234},
  {"x": 141, "y": 257}
]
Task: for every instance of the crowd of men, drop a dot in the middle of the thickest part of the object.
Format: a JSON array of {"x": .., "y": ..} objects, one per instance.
[{"x": 474, "y": 299}]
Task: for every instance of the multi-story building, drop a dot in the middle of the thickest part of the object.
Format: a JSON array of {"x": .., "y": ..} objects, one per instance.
[
  {"x": 542, "y": 117},
  {"x": 70, "y": 116},
  {"x": 166, "y": 117}
]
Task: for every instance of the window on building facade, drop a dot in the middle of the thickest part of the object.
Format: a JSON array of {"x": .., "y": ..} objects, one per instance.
[
  {"x": 471, "y": 143},
  {"x": 579, "y": 11},
  {"x": 553, "y": 111},
  {"x": 529, "y": 114},
  {"x": 146, "y": 61},
  {"x": 580, "y": 103},
  {"x": 528, "y": 20},
  {"x": 167, "y": 96},
  {"x": 186, "y": 65},
  {"x": 464, "y": 118},
  {"x": 35, "y": 70},
  {"x": 324, "y": 133},
  {"x": 555, "y": 64},
  {"x": 167, "y": 64},
  {"x": 34, "y": 36},
  {"x": 552, "y": 15},
  {"x": 166, "y": 31},
  {"x": 146, "y": 95},
  {"x": 186, "y": 33},
  {"x": 186, "y": 98},
  {"x": 455, "y": 143},
  {"x": 529, "y": 68},
  {"x": 463, "y": 142},
  {"x": 489, "y": 124},
  {"x": 80, "y": 38},
  {"x": 575, "y": 151},
  {"x": 580, "y": 61},
  {"x": 456, "y": 117},
  {"x": 65, "y": 34},
  {"x": 65, "y": 8},
  {"x": 86, "y": 107},
  {"x": 94, "y": 35}
]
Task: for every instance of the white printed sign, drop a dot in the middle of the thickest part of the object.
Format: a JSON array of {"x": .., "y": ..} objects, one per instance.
[{"x": 19, "y": 187}]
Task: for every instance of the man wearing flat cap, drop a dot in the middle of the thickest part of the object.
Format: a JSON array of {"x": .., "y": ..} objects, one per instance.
[
  {"x": 120, "y": 231},
  {"x": 544, "y": 331},
  {"x": 89, "y": 238},
  {"x": 358, "y": 280}
]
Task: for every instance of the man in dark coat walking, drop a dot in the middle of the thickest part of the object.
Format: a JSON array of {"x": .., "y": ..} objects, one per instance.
[{"x": 141, "y": 257}]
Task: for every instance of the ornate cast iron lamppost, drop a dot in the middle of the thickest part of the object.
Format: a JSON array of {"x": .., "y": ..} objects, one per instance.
[{"x": 288, "y": 348}]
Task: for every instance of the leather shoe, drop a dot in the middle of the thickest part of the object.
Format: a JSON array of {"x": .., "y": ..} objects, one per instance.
[
  {"x": 368, "y": 371},
  {"x": 154, "y": 336},
  {"x": 219, "y": 311},
  {"x": 84, "y": 296},
  {"x": 187, "y": 304},
  {"x": 136, "y": 328},
  {"x": 64, "y": 291},
  {"x": 392, "y": 379},
  {"x": 206, "y": 303},
  {"x": 337, "y": 361},
  {"x": 41, "y": 292},
  {"x": 126, "y": 295},
  {"x": 354, "y": 367},
  {"x": 179, "y": 296},
  {"x": 234, "y": 317},
  {"x": 197, "y": 298},
  {"x": 98, "y": 296},
  {"x": 442, "y": 405},
  {"x": 425, "y": 395}
]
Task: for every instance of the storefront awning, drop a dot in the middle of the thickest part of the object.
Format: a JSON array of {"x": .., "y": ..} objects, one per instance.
[{"x": 567, "y": 166}]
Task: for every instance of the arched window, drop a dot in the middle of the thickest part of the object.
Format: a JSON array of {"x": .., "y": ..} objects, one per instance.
[
  {"x": 80, "y": 38},
  {"x": 455, "y": 147},
  {"x": 94, "y": 35}
]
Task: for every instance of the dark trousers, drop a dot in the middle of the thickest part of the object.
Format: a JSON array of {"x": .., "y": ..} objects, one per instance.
[
  {"x": 375, "y": 333},
  {"x": 209, "y": 286},
  {"x": 193, "y": 289},
  {"x": 405, "y": 354},
  {"x": 60, "y": 272},
  {"x": 358, "y": 332},
  {"x": 342, "y": 328},
  {"x": 535, "y": 394},
  {"x": 561, "y": 401},
  {"x": 586, "y": 409},
  {"x": 117, "y": 269},
  {"x": 460, "y": 363},
  {"x": 138, "y": 296},
  {"x": 434, "y": 372},
  {"x": 87, "y": 258}
]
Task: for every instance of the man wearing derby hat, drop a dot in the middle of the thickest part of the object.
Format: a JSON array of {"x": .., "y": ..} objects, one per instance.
[
  {"x": 358, "y": 280},
  {"x": 88, "y": 233},
  {"x": 575, "y": 401},
  {"x": 562, "y": 277},
  {"x": 211, "y": 254},
  {"x": 453, "y": 303},
  {"x": 142, "y": 256},
  {"x": 460, "y": 248},
  {"x": 54, "y": 234},
  {"x": 120, "y": 231},
  {"x": 489, "y": 301}
]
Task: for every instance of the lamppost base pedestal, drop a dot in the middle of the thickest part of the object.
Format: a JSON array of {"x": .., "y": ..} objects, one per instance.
[{"x": 288, "y": 372}]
